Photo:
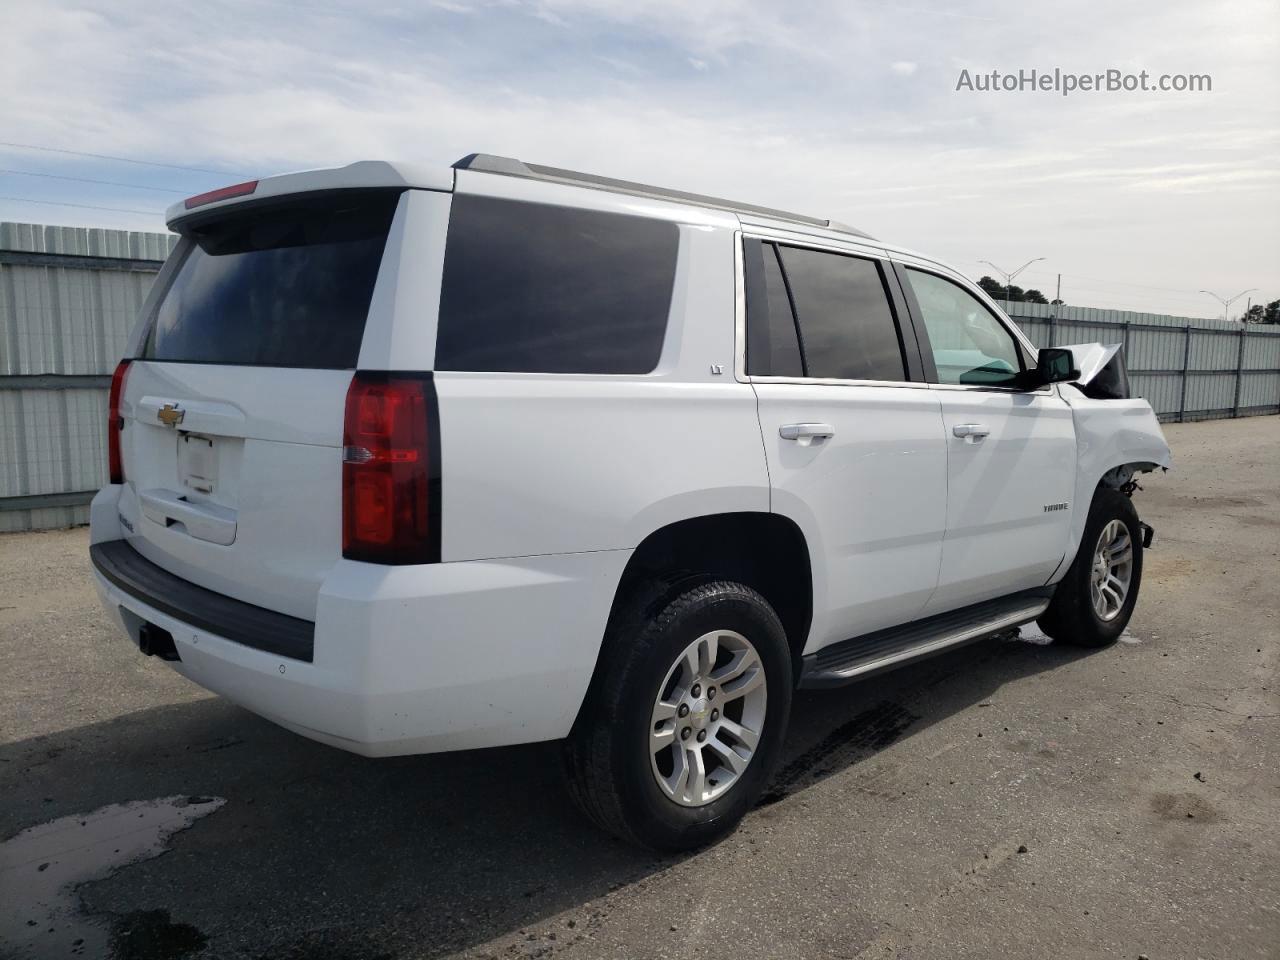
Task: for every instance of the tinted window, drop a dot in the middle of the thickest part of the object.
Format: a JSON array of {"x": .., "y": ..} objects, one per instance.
[
  {"x": 847, "y": 327},
  {"x": 772, "y": 347},
  {"x": 285, "y": 286},
  {"x": 536, "y": 288},
  {"x": 970, "y": 346}
]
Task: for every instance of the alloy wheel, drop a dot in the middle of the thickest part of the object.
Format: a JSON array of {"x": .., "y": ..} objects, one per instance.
[
  {"x": 1112, "y": 571},
  {"x": 707, "y": 718}
]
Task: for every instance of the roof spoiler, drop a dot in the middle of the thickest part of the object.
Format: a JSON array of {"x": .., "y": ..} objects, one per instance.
[{"x": 364, "y": 174}]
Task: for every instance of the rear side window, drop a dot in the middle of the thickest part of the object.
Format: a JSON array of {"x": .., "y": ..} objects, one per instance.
[
  {"x": 845, "y": 327},
  {"x": 773, "y": 346},
  {"x": 534, "y": 288},
  {"x": 287, "y": 285}
]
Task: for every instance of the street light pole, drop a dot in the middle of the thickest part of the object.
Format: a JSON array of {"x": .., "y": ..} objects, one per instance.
[
  {"x": 1227, "y": 301},
  {"x": 1008, "y": 277}
]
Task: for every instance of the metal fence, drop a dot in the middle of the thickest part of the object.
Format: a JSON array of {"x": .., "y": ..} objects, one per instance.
[
  {"x": 1186, "y": 369},
  {"x": 68, "y": 299},
  {"x": 70, "y": 296}
]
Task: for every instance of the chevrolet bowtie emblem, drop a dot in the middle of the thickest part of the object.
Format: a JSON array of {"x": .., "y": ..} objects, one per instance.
[{"x": 170, "y": 414}]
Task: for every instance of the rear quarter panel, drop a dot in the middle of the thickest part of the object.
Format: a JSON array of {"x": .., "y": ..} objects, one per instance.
[
  {"x": 551, "y": 463},
  {"x": 537, "y": 464}
]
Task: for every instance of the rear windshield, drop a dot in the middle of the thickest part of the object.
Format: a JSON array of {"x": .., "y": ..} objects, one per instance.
[
  {"x": 284, "y": 286},
  {"x": 533, "y": 288}
]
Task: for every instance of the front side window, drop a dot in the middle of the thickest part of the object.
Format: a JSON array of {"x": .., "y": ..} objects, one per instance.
[
  {"x": 535, "y": 288},
  {"x": 970, "y": 346}
]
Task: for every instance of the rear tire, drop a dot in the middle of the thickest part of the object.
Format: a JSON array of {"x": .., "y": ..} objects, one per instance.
[
  {"x": 661, "y": 755},
  {"x": 1093, "y": 603}
]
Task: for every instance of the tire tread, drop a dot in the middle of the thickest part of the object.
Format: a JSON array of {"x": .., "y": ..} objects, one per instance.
[
  {"x": 1068, "y": 619},
  {"x": 587, "y": 750}
]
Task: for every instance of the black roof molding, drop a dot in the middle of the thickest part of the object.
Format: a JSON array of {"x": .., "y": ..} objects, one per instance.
[{"x": 508, "y": 167}]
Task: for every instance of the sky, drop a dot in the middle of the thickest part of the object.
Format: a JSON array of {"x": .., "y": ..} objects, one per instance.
[{"x": 848, "y": 110}]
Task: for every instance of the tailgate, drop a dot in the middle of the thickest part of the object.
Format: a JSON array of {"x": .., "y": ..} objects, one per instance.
[{"x": 233, "y": 409}]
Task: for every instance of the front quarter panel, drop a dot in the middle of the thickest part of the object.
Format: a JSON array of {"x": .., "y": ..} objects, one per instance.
[{"x": 1110, "y": 434}]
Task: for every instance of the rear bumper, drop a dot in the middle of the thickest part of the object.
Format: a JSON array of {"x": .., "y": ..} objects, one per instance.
[
  {"x": 413, "y": 659},
  {"x": 256, "y": 627}
]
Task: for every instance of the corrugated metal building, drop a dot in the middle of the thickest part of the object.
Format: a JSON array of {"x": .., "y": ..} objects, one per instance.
[{"x": 70, "y": 296}]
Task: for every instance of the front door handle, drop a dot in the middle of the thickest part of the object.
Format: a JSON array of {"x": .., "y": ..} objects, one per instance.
[
  {"x": 970, "y": 432},
  {"x": 806, "y": 433}
]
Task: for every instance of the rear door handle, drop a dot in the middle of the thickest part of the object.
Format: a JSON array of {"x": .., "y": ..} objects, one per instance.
[
  {"x": 970, "y": 432},
  {"x": 806, "y": 433}
]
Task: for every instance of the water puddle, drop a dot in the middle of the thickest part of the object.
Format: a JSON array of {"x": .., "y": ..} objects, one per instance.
[{"x": 41, "y": 867}]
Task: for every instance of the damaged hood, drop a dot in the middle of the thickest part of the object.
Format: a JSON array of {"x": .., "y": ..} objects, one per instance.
[{"x": 1090, "y": 358}]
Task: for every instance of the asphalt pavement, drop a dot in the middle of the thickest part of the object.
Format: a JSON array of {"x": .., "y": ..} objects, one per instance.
[{"x": 1013, "y": 799}]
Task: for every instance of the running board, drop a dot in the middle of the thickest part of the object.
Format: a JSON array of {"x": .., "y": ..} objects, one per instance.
[{"x": 849, "y": 660}]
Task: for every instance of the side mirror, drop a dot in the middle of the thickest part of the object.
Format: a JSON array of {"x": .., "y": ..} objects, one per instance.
[{"x": 1054, "y": 365}]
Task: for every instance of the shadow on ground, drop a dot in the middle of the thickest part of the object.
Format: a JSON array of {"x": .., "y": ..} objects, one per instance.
[{"x": 321, "y": 854}]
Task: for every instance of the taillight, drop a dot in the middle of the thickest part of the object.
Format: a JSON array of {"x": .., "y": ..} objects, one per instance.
[
  {"x": 115, "y": 465},
  {"x": 391, "y": 470}
]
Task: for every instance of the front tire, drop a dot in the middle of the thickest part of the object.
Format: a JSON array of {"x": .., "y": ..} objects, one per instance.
[
  {"x": 1093, "y": 603},
  {"x": 684, "y": 723}
]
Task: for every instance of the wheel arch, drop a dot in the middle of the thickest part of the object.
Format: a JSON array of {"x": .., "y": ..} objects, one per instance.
[
  {"x": 765, "y": 551},
  {"x": 1114, "y": 440},
  {"x": 1118, "y": 476}
]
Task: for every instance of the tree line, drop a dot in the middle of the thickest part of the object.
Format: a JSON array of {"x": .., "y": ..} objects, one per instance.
[
  {"x": 998, "y": 291},
  {"x": 1262, "y": 314}
]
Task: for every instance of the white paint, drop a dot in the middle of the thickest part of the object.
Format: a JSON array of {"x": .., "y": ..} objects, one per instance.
[
  {"x": 41, "y": 867},
  {"x": 362, "y": 174},
  {"x": 1109, "y": 434},
  {"x": 421, "y": 659},
  {"x": 538, "y": 463},
  {"x": 279, "y": 477},
  {"x": 551, "y": 481},
  {"x": 871, "y": 500},
  {"x": 1000, "y": 539}
]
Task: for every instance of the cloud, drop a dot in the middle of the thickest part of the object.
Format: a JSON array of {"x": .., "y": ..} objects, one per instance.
[{"x": 729, "y": 98}]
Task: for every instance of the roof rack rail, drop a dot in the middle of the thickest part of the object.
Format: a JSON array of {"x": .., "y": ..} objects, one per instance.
[{"x": 508, "y": 167}]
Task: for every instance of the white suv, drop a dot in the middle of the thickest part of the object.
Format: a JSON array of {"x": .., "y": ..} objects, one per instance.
[{"x": 410, "y": 460}]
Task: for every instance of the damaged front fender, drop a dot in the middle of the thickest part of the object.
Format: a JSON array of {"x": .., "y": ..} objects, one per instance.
[
  {"x": 1115, "y": 438},
  {"x": 1103, "y": 375},
  {"x": 1091, "y": 358}
]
